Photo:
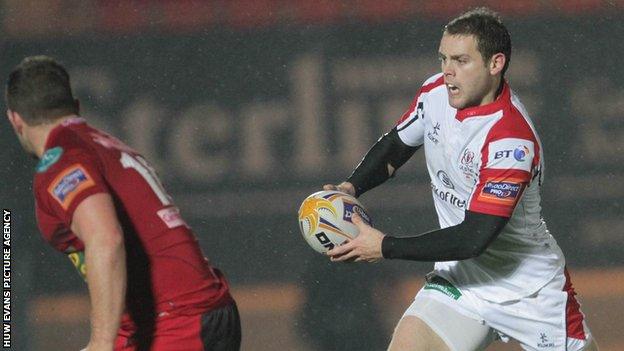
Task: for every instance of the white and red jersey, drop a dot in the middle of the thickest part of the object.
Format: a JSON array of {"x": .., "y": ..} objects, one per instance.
[{"x": 486, "y": 159}]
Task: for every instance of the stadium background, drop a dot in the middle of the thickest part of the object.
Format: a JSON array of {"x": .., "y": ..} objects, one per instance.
[{"x": 247, "y": 106}]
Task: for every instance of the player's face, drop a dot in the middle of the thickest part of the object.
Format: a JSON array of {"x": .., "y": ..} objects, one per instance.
[{"x": 467, "y": 76}]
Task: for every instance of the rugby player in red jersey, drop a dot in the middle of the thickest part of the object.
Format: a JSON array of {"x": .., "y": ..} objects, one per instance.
[{"x": 101, "y": 203}]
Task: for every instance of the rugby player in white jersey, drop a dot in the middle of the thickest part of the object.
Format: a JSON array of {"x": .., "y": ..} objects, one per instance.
[{"x": 499, "y": 274}]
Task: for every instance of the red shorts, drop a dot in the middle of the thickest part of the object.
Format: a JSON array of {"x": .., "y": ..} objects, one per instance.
[{"x": 214, "y": 330}]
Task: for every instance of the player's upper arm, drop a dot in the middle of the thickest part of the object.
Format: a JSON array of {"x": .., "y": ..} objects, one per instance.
[
  {"x": 95, "y": 219},
  {"x": 64, "y": 185},
  {"x": 507, "y": 165}
]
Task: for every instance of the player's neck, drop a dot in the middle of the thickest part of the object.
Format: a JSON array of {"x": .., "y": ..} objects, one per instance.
[
  {"x": 38, "y": 135},
  {"x": 495, "y": 90}
]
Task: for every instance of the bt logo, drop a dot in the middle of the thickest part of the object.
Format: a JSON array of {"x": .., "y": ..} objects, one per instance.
[
  {"x": 519, "y": 153},
  {"x": 502, "y": 154}
]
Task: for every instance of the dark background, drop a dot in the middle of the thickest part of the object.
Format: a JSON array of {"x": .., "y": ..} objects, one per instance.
[{"x": 246, "y": 110}]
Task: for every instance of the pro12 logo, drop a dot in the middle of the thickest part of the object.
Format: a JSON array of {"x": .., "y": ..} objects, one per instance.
[{"x": 501, "y": 191}]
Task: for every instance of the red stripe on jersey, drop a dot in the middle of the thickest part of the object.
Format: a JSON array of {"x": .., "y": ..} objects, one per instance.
[
  {"x": 498, "y": 191},
  {"x": 511, "y": 125},
  {"x": 501, "y": 102},
  {"x": 424, "y": 89},
  {"x": 528, "y": 131},
  {"x": 574, "y": 317}
]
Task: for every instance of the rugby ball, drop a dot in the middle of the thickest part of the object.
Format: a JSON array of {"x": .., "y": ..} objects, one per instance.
[{"x": 325, "y": 219}]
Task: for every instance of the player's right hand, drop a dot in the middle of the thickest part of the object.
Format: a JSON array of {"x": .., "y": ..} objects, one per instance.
[
  {"x": 365, "y": 247},
  {"x": 345, "y": 187}
]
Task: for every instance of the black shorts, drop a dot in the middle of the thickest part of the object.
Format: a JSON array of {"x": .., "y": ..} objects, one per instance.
[{"x": 221, "y": 329}]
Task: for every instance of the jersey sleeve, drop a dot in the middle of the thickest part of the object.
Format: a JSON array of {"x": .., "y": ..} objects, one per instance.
[
  {"x": 60, "y": 189},
  {"x": 411, "y": 125},
  {"x": 505, "y": 172}
]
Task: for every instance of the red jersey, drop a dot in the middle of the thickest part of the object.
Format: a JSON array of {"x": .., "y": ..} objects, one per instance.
[{"x": 167, "y": 272}]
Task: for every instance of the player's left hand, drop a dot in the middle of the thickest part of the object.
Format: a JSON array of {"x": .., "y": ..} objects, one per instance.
[{"x": 365, "y": 247}]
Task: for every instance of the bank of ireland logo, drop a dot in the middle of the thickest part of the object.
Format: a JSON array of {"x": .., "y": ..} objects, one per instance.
[
  {"x": 521, "y": 152},
  {"x": 445, "y": 179}
]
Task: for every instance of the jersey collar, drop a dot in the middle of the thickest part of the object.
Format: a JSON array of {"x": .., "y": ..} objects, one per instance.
[
  {"x": 58, "y": 128},
  {"x": 487, "y": 109}
]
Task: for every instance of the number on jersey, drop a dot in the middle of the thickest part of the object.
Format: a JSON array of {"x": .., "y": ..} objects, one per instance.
[{"x": 139, "y": 164}]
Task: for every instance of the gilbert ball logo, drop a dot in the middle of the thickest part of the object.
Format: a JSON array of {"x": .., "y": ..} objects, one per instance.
[{"x": 521, "y": 152}]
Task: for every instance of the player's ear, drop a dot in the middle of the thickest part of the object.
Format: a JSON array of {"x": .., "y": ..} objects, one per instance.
[
  {"x": 497, "y": 63},
  {"x": 16, "y": 120}
]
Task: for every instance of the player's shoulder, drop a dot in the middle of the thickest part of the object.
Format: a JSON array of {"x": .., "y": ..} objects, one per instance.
[
  {"x": 515, "y": 122},
  {"x": 433, "y": 82},
  {"x": 64, "y": 170},
  {"x": 429, "y": 86},
  {"x": 434, "y": 78},
  {"x": 71, "y": 135},
  {"x": 68, "y": 154},
  {"x": 61, "y": 168},
  {"x": 66, "y": 147},
  {"x": 433, "y": 89}
]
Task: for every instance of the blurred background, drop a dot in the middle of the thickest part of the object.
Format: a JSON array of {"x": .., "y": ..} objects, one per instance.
[{"x": 247, "y": 106}]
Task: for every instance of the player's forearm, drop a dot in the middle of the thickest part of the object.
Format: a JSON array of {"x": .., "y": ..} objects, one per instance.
[
  {"x": 106, "y": 276},
  {"x": 466, "y": 240},
  {"x": 380, "y": 162}
]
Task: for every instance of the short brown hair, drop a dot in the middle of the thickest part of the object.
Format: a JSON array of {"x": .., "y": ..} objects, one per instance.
[
  {"x": 488, "y": 29},
  {"x": 39, "y": 90}
]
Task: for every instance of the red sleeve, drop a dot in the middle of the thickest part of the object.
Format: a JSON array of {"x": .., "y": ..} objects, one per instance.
[
  {"x": 498, "y": 191},
  {"x": 506, "y": 166},
  {"x": 60, "y": 189},
  {"x": 509, "y": 156}
]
